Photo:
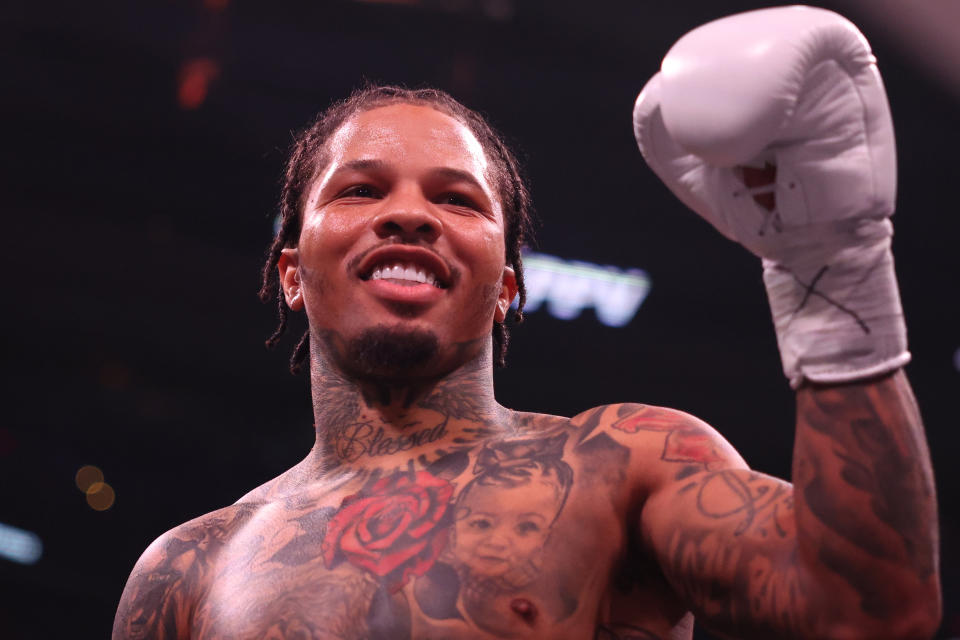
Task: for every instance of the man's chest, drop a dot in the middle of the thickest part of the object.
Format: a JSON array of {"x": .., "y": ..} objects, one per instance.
[{"x": 517, "y": 540}]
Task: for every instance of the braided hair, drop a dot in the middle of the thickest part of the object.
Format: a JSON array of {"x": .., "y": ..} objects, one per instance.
[{"x": 309, "y": 156}]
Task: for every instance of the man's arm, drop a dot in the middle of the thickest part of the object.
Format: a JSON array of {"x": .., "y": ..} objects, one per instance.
[
  {"x": 849, "y": 551},
  {"x": 773, "y": 125}
]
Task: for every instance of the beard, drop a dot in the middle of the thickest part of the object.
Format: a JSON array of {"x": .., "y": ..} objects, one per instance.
[{"x": 390, "y": 353}]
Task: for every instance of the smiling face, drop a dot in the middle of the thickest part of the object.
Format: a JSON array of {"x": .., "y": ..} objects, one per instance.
[
  {"x": 501, "y": 530},
  {"x": 402, "y": 233}
]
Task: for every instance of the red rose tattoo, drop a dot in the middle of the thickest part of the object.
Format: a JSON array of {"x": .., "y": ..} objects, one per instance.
[{"x": 396, "y": 529}]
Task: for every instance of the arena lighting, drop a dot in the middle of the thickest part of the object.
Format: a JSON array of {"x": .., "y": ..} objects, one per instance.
[
  {"x": 570, "y": 286},
  {"x": 23, "y": 547}
]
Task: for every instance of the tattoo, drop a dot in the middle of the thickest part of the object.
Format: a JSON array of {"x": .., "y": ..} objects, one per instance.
[
  {"x": 305, "y": 545},
  {"x": 684, "y": 443},
  {"x": 740, "y": 581},
  {"x": 765, "y": 506},
  {"x": 357, "y": 420},
  {"x": 356, "y": 439},
  {"x": 871, "y": 433},
  {"x": 160, "y": 594},
  {"x": 395, "y": 529},
  {"x": 407, "y": 528},
  {"x": 445, "y": 546},
  {"x": 624, "y": 631},
  {"x": 457, "y": 397}
]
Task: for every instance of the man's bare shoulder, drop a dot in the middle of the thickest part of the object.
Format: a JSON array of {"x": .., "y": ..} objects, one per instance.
[
  {"x": 665, "y": 444},
  {"x": 158, "y": 599}
]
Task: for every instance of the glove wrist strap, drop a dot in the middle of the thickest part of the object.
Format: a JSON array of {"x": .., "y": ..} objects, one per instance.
[{"x": 837, "y": 311}]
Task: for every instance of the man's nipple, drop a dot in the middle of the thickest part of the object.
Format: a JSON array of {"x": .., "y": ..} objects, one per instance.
[{"x": 525, "y": 609}]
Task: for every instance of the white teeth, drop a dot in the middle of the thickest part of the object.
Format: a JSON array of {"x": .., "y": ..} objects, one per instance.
[{"x": 407, "y": 272}]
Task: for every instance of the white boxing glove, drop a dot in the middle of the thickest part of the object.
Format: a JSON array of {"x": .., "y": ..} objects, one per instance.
[{"x": 796, "y": 88}]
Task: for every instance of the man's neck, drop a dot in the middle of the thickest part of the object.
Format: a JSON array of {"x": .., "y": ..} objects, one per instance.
[{"x": 379, "y": 424}]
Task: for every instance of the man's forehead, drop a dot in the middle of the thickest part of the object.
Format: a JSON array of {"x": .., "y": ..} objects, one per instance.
[{"x": 408, "y": 133}]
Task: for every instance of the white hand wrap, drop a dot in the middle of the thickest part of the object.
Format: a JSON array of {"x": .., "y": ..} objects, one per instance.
[{"x": 798, "y": 88}]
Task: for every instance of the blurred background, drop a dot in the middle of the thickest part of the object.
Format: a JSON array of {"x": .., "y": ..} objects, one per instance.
[{"x": 142, "y": 150}]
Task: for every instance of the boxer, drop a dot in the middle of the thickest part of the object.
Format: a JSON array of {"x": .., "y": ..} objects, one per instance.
[{"x": 428, "y": 510}]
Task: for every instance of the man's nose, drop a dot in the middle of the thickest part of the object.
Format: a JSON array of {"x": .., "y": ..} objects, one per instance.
[{"x": 410, "y": 219}]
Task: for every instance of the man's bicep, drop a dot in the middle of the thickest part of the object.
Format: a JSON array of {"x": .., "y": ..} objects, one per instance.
[{"x": 726, "y": 541}]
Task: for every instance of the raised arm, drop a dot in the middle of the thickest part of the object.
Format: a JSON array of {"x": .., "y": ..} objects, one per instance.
[
  {"x": 848, "y": 551},
  {"x": 866, "y": 506},
  {"x": 773, "y": 125}
]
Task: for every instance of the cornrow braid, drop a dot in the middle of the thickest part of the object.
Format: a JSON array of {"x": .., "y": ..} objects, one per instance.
[{"x": 309, "y": 156}]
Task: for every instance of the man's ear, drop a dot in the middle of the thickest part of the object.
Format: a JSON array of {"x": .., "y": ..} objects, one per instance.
[
  {"x": 289, "y": 267},
  {"x": 508, "y": 291}
]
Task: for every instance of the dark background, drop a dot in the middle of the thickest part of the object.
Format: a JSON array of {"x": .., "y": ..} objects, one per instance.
[{"x": 137, "y": 213}]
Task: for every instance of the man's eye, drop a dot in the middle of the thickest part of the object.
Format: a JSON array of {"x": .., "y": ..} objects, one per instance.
[
  {"x": 360, "y": 191},
  {"x": 457, "y": 200}
]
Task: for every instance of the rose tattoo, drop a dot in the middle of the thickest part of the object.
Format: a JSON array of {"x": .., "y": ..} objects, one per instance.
[{"x": 396, "y": 529}]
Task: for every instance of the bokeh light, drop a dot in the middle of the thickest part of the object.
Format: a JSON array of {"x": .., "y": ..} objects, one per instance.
[
  {"x": 100, "y": 496},
  {"x": 87, "y": 476},
  {"x": 19, "y": 545},
  {"x": 195, "y": 78}
]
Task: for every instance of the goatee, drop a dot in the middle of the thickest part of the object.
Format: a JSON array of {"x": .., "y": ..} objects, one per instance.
[{"x": 392, "y": 353}]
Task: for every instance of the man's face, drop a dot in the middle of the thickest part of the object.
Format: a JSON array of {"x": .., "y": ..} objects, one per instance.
[{"x": 402, "y": 230}]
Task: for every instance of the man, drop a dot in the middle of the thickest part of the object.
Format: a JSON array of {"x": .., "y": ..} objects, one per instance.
[{"x": 427, "y": 510}]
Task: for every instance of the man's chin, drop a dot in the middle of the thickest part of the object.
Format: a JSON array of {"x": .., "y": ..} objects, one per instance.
[{"x": 391, "y": 352}]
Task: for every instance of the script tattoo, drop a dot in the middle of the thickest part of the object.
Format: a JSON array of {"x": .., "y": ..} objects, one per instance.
[{"x": 356, "y": 439}]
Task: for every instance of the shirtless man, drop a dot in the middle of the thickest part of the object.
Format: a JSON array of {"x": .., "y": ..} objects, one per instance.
[{"x": 427, "y": 510}]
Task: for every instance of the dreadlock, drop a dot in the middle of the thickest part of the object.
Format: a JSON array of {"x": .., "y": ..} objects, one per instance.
[{"x": 309, "y": 156}]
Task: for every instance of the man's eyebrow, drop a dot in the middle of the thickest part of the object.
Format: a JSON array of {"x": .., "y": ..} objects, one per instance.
[
  {"x": 374, "y": 165},
  {"x": 362, "y": 164},
  {"x": 456, "y": 175}
]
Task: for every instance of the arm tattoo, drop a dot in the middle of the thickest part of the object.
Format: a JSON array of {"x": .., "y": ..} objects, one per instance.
[
  {"x": 863, "y": 471},
  {"x": 765, "y": 560},
  {"x": 684, "y": 443},
  {"x": 753, "y": 588},
  {"x": 765, "y": 506}
]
